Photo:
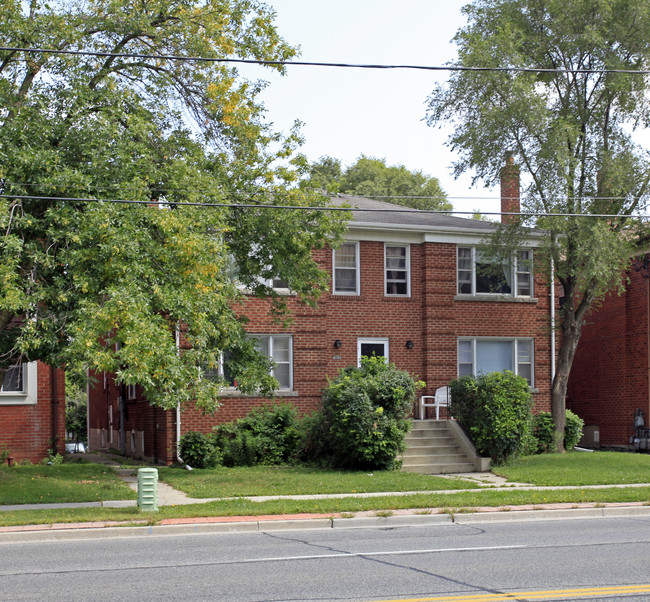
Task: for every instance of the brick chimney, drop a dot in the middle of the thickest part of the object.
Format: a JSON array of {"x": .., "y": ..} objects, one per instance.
[{"x": 509, "y": 190}]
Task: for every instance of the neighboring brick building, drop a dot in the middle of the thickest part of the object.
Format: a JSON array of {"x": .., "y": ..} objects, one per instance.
[
  {"x": 406, "y": 285},
  {"x": 32, "y": 412},
  {"x": 611, "y": 370}
]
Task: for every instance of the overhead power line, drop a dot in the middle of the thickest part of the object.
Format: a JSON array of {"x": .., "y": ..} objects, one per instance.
[
  {"x": 203, "y": 59},
  {"x": 320, "y": 208},
  {"x": 269, "y": 193}
]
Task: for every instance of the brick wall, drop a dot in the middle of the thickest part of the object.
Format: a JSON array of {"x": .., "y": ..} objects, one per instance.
[
  {"x": 432, "y": 318},
  {"x": 609, "y": 377},
  {"x": 29, "y": 431}
]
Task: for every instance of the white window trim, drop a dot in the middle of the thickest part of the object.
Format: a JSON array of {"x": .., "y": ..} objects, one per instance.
[
  {"x": 271, "y": 338},
  {"x": 372, "y": 341},
  {"x": 515, "y": 343},
  {"x": 408, "y": 270},
  {"x": 357, "y": 292},
  {"x": 29, "y": 394},
  {"x": 130, "y": 392},
  {"x": 513, "y": 275}
]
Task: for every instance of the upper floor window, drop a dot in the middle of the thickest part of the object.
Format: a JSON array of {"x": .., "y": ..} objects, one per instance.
[
  {"x": 346, "y": 269},
  {"x": 482, "y": 355},
  {"x": 477, "y": 275},
  {"x": 397, "y": 263}
]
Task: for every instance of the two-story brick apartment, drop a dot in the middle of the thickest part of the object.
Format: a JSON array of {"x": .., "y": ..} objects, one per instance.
[{"x": 406, "y": 285}]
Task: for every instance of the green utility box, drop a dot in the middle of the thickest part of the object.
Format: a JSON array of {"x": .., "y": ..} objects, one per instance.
[{"x": 148, "y": 489}]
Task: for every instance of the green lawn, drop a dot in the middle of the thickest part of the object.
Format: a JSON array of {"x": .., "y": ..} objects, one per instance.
[
  {"x": 453, "y": 502},
  {"x": 93, "y": 482},
  {"x": 579, "y": 468},
  {"x": 292, "y": 480},
  {"x": 42, "y": 484}
]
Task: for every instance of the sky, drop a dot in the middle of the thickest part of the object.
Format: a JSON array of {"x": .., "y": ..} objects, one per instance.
[{"x": 379, "y": 113}]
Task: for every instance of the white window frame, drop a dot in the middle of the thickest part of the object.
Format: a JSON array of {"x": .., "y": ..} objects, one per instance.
[
  {"x": 517, "y": 348},
  {"x": 130, "y": 392},
  {"x": 272, "y": 339},
  {"x": 372, "y": 341},
  {"x": 29, "y": 394},
  {"x": 407, "y": 270},
  {"x": 515, "y": 272},
  {"x": 357, "y": 290}
]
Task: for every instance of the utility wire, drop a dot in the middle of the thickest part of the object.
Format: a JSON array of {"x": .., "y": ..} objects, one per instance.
[
  {"x": 270, "y": 193},
  {"x": 202, "y": 59},
  {"x": 309, "y": 208}
]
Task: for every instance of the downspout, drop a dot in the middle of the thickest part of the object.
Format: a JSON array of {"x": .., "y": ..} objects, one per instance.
[
  {"x": 55, "y": 409},
  {"x": 87, "y": 448},
  {"x": 178, "y": 405},
  {"x": 552, "y": 293}
]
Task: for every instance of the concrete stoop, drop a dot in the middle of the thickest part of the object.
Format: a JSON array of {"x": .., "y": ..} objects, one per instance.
[{"x": 440, "y": 447}]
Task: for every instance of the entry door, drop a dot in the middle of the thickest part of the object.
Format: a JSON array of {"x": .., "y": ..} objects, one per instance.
[{"x": 367, "y": 347}]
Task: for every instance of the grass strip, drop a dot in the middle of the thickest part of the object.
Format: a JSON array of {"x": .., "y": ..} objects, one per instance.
[
  {"x": 243, "y": 507},
  {"x": 296, "y": 480},
  {"x": 578, "y": 468},
  {"x": 62, "y": 483}
]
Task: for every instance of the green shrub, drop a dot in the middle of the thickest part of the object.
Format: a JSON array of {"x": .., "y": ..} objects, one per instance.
[
  {"x": 198, "y": 451},
  {"x": 364, "y": 417},
  {"x": 267, "y": 435},
  {"x": 545, "y": 434},
  {"x": 495, "y": 411},
  {"x": 572, "y": 429}
]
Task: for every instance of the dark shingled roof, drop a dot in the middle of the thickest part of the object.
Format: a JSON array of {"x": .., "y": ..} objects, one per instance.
[{"x": 378, "y": 213}]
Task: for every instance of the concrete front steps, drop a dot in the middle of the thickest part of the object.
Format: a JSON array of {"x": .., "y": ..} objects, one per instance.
[{"x": 439, "y": 447}]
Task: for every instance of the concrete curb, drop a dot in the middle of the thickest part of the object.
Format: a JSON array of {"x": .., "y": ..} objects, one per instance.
[{"x": 216, "y": 525}]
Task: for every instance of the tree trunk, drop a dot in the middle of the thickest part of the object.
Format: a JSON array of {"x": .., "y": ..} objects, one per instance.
[{"x": 570, "y": 338}]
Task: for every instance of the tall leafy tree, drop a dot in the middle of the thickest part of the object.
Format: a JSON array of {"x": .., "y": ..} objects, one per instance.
[
  {"x": 571, "y": 124},
  {"x": 372, "y": 178},
  {"x": 105, "y": 285}
]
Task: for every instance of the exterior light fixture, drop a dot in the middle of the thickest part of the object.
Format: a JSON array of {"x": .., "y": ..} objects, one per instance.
[
  {"x": 410, "y": 344},
  {"x": 338, "y": 343}
]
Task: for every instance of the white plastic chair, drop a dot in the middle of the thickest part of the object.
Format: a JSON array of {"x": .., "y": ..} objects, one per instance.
[{"x": 440, "y": 400}]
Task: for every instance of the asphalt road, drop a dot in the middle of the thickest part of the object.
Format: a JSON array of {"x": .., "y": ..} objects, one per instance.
[{"x": 590, "y": 559}]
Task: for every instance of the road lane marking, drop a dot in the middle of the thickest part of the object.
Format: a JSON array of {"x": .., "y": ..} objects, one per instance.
[{"x": 615, "y": 590}]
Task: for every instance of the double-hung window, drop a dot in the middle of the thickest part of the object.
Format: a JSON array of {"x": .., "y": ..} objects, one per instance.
[
  {"x": 346, "y": 269},
  {"x": 397, "y": 264},
  {"x": 478, "y": 275},
  {"x": 278, "y": 347},
  {"x": 482, "y": 355}
]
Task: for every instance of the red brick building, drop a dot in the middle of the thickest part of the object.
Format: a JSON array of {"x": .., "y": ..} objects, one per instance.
[
  {"x": 611, "y": 370},
  {"x": 32, "y": 412},
  {"x": 405, "y": 284}
]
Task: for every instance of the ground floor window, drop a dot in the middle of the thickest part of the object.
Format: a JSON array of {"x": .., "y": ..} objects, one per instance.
[
  {"x": 367, "y": 347},
  {"x": 19, "y": 385},
  {"x": 482, "y": 355},
  {"x": 279, "y": 348}
]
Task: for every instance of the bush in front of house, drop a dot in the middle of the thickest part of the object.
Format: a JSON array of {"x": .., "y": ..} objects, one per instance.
[
  {"x": 364, "y": 417},
  {"x": 198, "y": 450},
  {"x": 266, "y": 435},
  {"x": 494, "y": 409},
  {"x": 544, "y": 432}
]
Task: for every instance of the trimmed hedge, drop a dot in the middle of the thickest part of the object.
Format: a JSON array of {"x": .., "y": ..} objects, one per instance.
[
  {"x": 495, "y": 411},
  {"x": 364, "y": 418},
  {"x": 544, "y": 432}
]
